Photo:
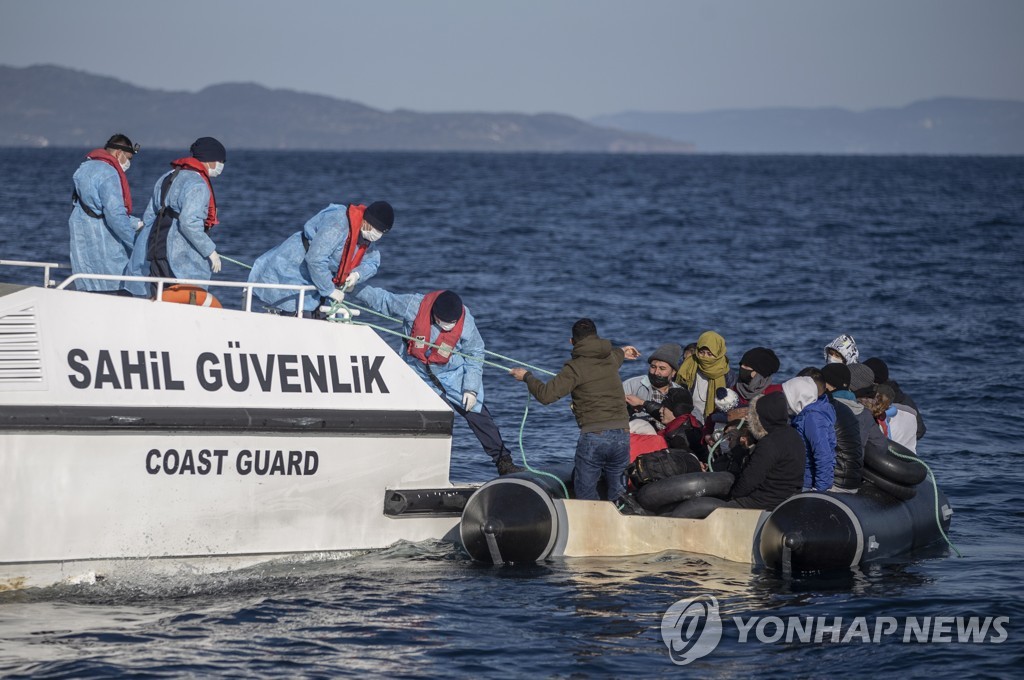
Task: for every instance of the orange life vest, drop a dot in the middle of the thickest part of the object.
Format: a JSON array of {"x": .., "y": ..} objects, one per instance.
[
  {"x": 446, "y": 340},
  {"x": 352, "y": 253}
]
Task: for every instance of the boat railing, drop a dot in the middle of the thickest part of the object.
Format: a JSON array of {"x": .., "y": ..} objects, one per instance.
[
  {"x": 45, "y": 266},
  {"x": 161, "y": 283}
]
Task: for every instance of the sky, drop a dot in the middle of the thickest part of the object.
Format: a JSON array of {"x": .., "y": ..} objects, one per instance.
[{"x": 578, "y": 57}]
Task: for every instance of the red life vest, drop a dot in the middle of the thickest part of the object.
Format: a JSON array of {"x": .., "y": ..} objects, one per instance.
[
  {"x": 446, "y": 341},
  {"x": 197, "y": 165},
  {"x": 108, "y": 158},
  {"x": 352, "y": 253}
]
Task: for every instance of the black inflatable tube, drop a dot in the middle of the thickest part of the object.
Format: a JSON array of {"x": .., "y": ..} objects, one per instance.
[
  {"x": 894, "y": 489},
  {"x": 893, "y": 468},
  {"x": 817, "y": 532},
  {"x": 674, "y": 490}
]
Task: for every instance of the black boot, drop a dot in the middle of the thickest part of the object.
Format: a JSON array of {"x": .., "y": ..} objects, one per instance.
[{"x": 506, "y": 466}]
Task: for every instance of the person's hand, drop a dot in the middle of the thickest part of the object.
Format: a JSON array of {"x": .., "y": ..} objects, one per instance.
[
  {"x": 215, "y": 262},
  {"x": 517, "y": 373},
  {"x": 634, "y": 400},
  {"x": 338, "y": 295},
  {"x": 631, "y": 352},
  {"x": 140, "y": 224},
  {"x": 350, "y": 282},
  {"x": 468, "y": 400}
]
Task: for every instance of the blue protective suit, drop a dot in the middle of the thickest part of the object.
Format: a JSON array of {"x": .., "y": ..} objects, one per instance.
[
  {"x": 459, "y": 374},
  {"x": 188, "y": 245},
  {"x": 100, "y": 245},
  {"x": 290, "y": 263},
  {"x": 816, "y": 424}
]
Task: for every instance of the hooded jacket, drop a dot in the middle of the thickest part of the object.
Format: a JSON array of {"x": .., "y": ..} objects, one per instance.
[
  {"x": 815, "y": 421},
  {"x": 592, "y": 378},
  {"x": 775, "y": 469}
]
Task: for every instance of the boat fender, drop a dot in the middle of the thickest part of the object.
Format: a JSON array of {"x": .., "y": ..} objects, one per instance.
[
  {"x": 894, "y": 489},
  {"x": 894, "y": 468},
  {"x": 190, "y": 295},
  {"x": 672, "y": 490}
]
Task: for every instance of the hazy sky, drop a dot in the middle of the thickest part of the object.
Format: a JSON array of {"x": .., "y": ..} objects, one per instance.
[{"x": 581, "y": 57}]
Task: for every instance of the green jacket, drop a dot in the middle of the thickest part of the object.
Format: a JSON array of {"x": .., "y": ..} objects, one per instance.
[{"x": 592, "y": 378}]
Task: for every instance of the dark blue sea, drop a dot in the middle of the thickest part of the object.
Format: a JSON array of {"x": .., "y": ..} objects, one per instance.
[{"x": 921, "y": 259}]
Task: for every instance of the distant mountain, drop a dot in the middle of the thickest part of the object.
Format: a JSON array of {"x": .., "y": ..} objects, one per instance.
[
  {"x": 935, "y": 126},
  {"x": 54, "y": 106}
]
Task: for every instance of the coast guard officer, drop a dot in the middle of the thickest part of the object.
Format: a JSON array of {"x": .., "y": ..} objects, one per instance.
[
  {"x": 101, "y": 223},
  {"x": 440, "y": 318},
  {"x": 175, "y": 241}
]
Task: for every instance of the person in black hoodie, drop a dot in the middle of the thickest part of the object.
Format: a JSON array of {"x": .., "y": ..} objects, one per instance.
[
  {"x": 881, "y": 372},
  {"x": 775, "y": 469}
]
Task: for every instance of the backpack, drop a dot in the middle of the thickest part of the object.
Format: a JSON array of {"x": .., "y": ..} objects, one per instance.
[{"x": 657, "y": 465}]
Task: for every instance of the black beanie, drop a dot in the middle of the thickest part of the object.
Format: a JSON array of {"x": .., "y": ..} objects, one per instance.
[
  {"x": 208, "y": 150},
  {"x": 762, "y": 360},
  {"x": 879, "y": 368},
  {"x": 380, "y": 215},
  {"x": 678, "y": 400},
  {"x": 447, "y": 307},
  {"x": 836, "y": 375},
  {"x": 670, "y": 353}
]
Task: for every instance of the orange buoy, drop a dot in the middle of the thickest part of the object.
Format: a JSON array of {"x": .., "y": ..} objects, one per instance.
[{"x": 190, "y": 295}]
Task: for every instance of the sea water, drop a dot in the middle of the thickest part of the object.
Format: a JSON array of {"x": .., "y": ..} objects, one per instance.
[{"x": 921, "y": 259}]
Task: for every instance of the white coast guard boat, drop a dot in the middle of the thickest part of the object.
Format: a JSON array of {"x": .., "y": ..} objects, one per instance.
[{"x": 209, "y": 439}]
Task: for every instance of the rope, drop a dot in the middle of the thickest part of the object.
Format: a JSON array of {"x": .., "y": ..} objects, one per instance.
[
  {"x": 401, "y": 321},
  {"x": 935, "y": 489},
  {"x": 522, "y": 452},
  {"x": 335, "y": 306},
  {"x": 714, "y": 446},
  {"x": 240, "y": 264}
]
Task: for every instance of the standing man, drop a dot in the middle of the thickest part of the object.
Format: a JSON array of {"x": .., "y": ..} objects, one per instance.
[
  {"x": 591, "y": 376},
  {"x": 175, "y": 242},
  {"x": 439, "y": 318},
  {"x": 334, "y": 250},
  {"x": 101, "y": 223}
]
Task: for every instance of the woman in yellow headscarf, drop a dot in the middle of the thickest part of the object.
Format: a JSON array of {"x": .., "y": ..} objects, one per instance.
[{"x": 704, "y": 371}]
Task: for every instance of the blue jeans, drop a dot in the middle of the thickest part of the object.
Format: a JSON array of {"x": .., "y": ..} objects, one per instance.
[{"x": 601, "y": 452}]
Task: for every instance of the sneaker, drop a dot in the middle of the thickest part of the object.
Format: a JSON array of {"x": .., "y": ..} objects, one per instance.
[{"x": 506, "y": 466}]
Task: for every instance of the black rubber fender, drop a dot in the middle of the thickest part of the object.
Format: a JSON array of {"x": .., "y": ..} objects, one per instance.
[
  {"x": 894, "y": 489},
  {"x": 894, "y": 468},
  {"x": 673, "y": 490}
]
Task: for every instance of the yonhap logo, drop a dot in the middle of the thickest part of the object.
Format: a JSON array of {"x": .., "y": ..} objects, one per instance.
[{"x": 691, "y": 629}]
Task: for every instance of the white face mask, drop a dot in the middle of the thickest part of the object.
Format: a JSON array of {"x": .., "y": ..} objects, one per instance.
[
  {"x": 835, "y": 360},
  {"x": 371, "y": 234},
  {"x": 446, "y": 325},
  {"x": 126, "y": 164},
  {"x": 215, "y": 170}
]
